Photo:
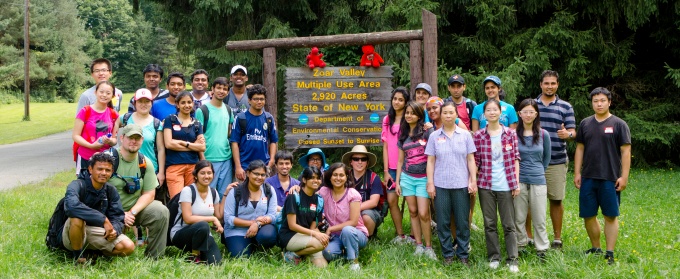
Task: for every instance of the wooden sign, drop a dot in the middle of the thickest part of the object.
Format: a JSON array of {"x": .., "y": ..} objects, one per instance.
[{"x": 336, "y": 106}]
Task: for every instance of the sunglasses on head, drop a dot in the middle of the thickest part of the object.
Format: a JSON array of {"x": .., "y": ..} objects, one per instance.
[{"x": 363, "y": 159}]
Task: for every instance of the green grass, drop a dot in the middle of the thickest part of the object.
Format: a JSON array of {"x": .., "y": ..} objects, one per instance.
[
  {"x": 648, "y": 247},
  {"x": 46, "y": 119}
]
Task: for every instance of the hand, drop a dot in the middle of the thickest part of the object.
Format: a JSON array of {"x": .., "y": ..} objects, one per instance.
[
  {"x": 562, "y": 133},
  {"x": 200, "y": 140},
  {"x": 110, "y": 233},
  {"x": 96, "y": 145},
  {"x": 263, "y": 220},
  {"x": 577, "y": 181},
  {"x": 427, "y": 126},
  {"x": 252, "y": 230},
  {"x": 328, "y": 231},
  {"x": 129, "y": 219},
  {"x": 218, "y": 226},
  {"x": 230, "y": 186},
  {"x": 294, "y": 189},
  {"x": 270, "y": 167},
  {"x": 322, "y": 237},
  {"x": 472, "y": 187},
  {"x": 430, "y": 189},
  {"x": 161, "y": 178},
  {"x": 397, "y": 189},
  {"x": 621, "y": 184},
  {"x": 387, "y": 176},
  {"x": 240, "y": 173},
  {"x": 515, "y": 192}
]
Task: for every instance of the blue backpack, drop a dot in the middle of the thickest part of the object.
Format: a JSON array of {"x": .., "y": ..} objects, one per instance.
[{"x": 279, "y": 215}]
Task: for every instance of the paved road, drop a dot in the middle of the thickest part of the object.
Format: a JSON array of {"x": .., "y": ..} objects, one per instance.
[{"x": 34, "y": 160}]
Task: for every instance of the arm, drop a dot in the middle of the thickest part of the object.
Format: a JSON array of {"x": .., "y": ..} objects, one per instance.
[
  {"x": 513, "y": 126},
  {"x": 472, "y": 169},
  {"x": 460, "y": 124},
  {"x": 173, "y": 144},
  {"x": 578, "y": 162},
  {"x": 113, "y": 140},
  {"x": 74, "y": 208},
  {"x": 475, "y": 125},
  {"x": 622, "y": 181},
  {"x": 78, "y": 127},
  {"x": 386, "y": 162},
  {"x": 114, "y": 212},
  {"x": 219, "y": 209},
  {"x": 371, "y": 203},
  {"x": 272, "y": 153},
  {"x": 160, "y": 146},
  {"x": 515, "y": 192},
  {"x": 430, "y": 175},
  {"x": 198, "y": 145},
  {"x": 563, "y": 133},
  {"x": 547, "y": 150},
  {"x": 238, "y": 170},
  {"x": 400, "y": 164}
]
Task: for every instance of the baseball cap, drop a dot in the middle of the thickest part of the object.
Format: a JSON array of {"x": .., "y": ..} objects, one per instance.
[
  {"x": 424, "y": 86},
  {"x": 239, "y": 67},
  {"x": 494, "y": 79},
  {"x": 143, "y": 93},
  {"x": 456, "y": 78},
  {"x": 131, "y": 130}
]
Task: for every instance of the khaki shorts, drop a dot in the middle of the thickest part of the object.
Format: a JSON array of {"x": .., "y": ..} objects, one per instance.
[
  {"x": 93, "y": 238},
  {"x": 299, "y": 241},
  {"x": 556, "y": 180}
]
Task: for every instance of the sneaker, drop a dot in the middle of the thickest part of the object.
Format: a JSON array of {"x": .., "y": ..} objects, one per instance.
[
  {"x": 594, "y": 250},
  {"x": 513, "y": 268},
  {"x": 433, "y": 224},
  {"x": 354, "y": 267},
  {"x": 609, "y": 256},
  {"x": 465, "y": 262},
  {"x": 531, "y": 242},
  {"x": 81, "y": 262},
  {"x": 448, "y": 261},
  {"x": 474, "y": 227},
  {"x": 429, "y": 252},
  {"x": 494, "y": 264},
  {"x": 399, "y": 240},
  {"x": 556, "y": 244},
  {"x": 541, "y": 256},
  {"x": 420, "y": 249},
  {"x": 291, "y": 258}
]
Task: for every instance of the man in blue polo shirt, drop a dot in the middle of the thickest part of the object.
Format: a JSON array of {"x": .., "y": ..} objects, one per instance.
[
  {"x": 492, "y": 88},
  {"x": 164, "y": 107},
  {"x": 254, "y": 134}
]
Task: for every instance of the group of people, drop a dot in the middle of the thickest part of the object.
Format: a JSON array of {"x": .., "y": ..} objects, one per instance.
[{"x": 437, "y": 154}]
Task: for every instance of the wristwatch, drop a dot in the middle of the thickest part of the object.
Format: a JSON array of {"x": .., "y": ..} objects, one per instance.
[
  {"x": 134, "y": 212},
  {"x": 259, "y": 225},
  {"x": 571, "y": 135},
  {"x": 186, "y": 144}
]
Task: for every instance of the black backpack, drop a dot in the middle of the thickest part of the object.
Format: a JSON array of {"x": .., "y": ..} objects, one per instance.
[
  {"x": 242, "y": 121},
  {"x": 206, "y": 116},
  {"x": 116, "y": 161},
  {"x": 57, "y": 221},
  {"x": 173, "y": 208}
]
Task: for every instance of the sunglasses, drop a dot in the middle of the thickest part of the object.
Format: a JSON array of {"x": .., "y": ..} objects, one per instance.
[{"x": 363, "y": 159}]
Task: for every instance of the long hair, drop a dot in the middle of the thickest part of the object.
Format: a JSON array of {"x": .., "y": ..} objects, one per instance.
[
  {"x": 308, "y": 173},
  {"x": 113, "y": 91},
  {"x": 536, "y": 125},
  {"x": 182, "y": 95},
  {"x": 405, "y": 128},
  {"x": 392, "y": 114},
  {"x": 328, "y": 175},
  {"x": 243, "y": 188},
  {"x": 201, "y": 165}
]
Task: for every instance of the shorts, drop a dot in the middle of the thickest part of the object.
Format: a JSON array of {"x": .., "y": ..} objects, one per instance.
[
  {"x": 411, "y": 186},
  {"x": 374, "y": 214},
  {"x": 598, "y": 193},
  {"x": 93, "y": 239},
  {"x": 556, "y": 180},
  {"x": 301, "y": 241},
  {"x": 393, "y": 174}
]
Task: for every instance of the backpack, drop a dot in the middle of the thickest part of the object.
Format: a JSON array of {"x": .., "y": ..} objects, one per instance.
[
  {"x": 173, "y": 208},
  {"x": 237, "y": 198},
  {"x": 196, "y": 123},
  {"x": 116, "y": 161},
  {"x": 126, "y": 117},
  {"x": 383, "y": 197},
  {"x": 206, "y": 116},
  {"x": 279, "y": 215},
  {"x": 55, "y": 229},
  {"x": 88, "y": 110},
  {"x": 241, "y": 118}
]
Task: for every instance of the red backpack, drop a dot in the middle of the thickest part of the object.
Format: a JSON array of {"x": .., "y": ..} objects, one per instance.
[
  {"x": 112, "y": 114},
  {"x": 381, "y": 203}
]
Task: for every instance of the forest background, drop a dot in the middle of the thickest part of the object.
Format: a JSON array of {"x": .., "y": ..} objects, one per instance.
[{"x": 632, "y": 47}]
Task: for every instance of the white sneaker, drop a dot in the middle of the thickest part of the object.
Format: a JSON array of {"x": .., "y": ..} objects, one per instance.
[
  {"x": 398, "y": 240},
  {"x": 513, "y": 268},
  {"x": 494, "y": 264},
  {"x": 354, "y": 267},
  {"x": 409, "y": 240},
  {"x": 474, "y": 227},
  {"x": 420, "y": 249},
  {"x": 429, "y": 252},
  {"x": 433, "y": 224}
]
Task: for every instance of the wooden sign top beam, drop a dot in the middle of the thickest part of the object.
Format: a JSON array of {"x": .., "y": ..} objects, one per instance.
[{"x": 332, "y": 40}]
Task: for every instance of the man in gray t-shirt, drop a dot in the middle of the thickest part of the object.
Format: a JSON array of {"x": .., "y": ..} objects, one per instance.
[
  {"x": 100, "y": 70},
  {"x": 237, "y": 99}
]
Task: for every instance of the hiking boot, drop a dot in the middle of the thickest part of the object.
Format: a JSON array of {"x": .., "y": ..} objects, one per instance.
[
  {"x": 448, "y": 261},
  {"x": 291, "y": 258},
  {"x": 465, "y": 262},
  {"x": 556, "y": 244},
  {"x": 596, "y": 251},
  {"x": 609, "y": 256}
]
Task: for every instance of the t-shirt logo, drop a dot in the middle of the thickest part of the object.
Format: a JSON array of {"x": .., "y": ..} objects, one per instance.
[
  {"x": 312, "y": 207},
  {"x": 265, "y": 126},
  {"x": 608, "y": 130}
]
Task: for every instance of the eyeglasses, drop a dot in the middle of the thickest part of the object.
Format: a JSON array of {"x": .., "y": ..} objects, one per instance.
[
  {"x": 259, "y": 174},
  {"x": 363, "y": 159},
  {"x": 97, "y": 71},
  {"x": 315, "y": 159},
  {"x": 529, "y": 113},
  {"x": 259, "y": 99}
]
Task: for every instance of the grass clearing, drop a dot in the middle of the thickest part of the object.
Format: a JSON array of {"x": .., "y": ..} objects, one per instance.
[
  {"x": 648, "y": 246},
  {"x": 46, "y": 119}
]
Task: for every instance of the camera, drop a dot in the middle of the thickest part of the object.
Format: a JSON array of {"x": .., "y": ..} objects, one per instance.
[
  {"x": 131, "y": 184},
  {"x": 323, "y": 225}
]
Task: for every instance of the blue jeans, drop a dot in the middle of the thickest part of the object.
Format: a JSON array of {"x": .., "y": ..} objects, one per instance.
[
  {"x": 224, "y": 173},
  {"x": 351, "y": 239},
  {"x": 456, "y": 202},
  {"x": 238, "y": 246}
]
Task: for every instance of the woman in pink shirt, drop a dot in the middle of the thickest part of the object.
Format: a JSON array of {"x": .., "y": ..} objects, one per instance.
[{"x": 342, "y": 204}]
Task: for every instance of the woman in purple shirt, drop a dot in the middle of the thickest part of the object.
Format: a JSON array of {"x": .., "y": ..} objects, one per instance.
[{"x": 451, "y": 176}]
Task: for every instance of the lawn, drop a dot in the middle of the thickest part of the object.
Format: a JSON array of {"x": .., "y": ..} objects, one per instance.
[
  {"x": 46, "y": 119},
  {"x": 648, "y": 247}
]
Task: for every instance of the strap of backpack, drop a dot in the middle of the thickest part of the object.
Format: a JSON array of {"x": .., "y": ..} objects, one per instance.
[
  {"x": 116, "y": 161},
  {"x": 237, "y": 197},
  {"x": 206, "y": 117},
  {"x": 142, "y": 165},
  {"x": 125, "y": 119}
]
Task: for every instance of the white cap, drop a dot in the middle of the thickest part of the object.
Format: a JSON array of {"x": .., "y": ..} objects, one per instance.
[{"x": 239, "y": 67}]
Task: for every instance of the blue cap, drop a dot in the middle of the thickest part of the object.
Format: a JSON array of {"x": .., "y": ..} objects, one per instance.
[
  {"x": 494, "y": 79},
  {"x": 425, "y": 86},
  {"x": 303, "y": 161}
]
